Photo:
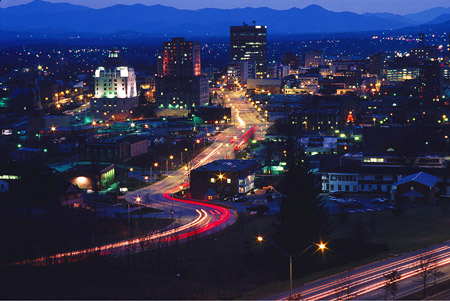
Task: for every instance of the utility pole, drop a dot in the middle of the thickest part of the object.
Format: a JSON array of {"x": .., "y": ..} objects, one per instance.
[{"x": 129, "y": 220}]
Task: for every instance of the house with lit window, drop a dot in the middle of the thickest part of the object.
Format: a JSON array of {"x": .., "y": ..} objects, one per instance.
[
  {"x": 223, "y": 177},
  {"x": 418, "y": 187},
  {"x": 381, "y": 173}
]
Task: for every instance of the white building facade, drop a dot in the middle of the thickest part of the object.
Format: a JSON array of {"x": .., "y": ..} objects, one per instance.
[{"x": 115, "y": 90}]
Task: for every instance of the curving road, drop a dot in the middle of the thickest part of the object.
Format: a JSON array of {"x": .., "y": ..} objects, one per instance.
[{"x": 192, "y": 217}]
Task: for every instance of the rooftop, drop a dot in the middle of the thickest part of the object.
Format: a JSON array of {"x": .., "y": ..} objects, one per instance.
[
  {"x": 225, "y": 165},
  {"x": 420, "y": 177}
]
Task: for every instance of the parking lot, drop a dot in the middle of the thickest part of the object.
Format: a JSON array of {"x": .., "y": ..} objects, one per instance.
[{"x": 356, "y": 203}]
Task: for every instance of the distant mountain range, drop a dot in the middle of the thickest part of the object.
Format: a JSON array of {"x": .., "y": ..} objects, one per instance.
[{"x": 42, "y": 17}]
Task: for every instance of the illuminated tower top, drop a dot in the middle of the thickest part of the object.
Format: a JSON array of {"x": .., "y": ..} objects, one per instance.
[{"x": 115, "y": 79}]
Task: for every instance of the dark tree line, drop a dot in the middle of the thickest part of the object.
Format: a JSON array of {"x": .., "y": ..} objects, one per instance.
[{"x": 303, "y": 216}]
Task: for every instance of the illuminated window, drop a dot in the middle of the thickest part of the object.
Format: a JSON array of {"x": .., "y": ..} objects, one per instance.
[
  {"x": 228, "y": 181},
  {"x": 212, "y": 180}
]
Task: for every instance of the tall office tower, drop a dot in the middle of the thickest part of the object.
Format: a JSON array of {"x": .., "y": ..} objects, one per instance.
[
  {"x": 432, "y": 82},
  {"x": 179, "y": 58},
  {"x": 115, "y": 89},
  {"x": 421, "y": 40},
  {"x": 179, "y": 83},
  {"x": 293, "y": 60},
  {"x": 448, "y": 47},
  {"x": 375, "y": 64},
  {"x": 313, "y": 58},
  {"x": 249, "y": 43}
]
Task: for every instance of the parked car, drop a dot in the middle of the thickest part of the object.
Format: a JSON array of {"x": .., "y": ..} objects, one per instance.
[
  {"x": 228, "y": 199},
  {"x": 333, "y": 199},
  {"x": 241, "y": 199},
  {"x": 379, "y": 201},
  {"x": 336, "y": 193}
]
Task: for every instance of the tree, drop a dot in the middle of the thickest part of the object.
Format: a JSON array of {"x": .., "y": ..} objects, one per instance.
[
  {"x": 398, "y": 211},
  {"x": 302, "y": 211},
  {"x": 390, "y": 285},
  {"x": 427, "y": 268},
  {"x": 372, "y": 223}
]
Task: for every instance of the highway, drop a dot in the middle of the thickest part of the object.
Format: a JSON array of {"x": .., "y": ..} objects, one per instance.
[
  {"x": 191, "y": 217},
  {"x": 367, "y": 282}
]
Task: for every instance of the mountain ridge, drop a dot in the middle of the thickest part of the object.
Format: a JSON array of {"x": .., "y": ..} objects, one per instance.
[{"x": 56, "y": 18}]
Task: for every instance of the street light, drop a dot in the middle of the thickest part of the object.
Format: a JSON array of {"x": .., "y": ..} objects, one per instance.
[
  {"x": 320, "y": 247},
  {"x": 53, "y": 128},
  {"x": 171, "y": 161}
]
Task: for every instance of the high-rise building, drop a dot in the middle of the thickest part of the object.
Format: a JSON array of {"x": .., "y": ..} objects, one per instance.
[
  {"x": 115, "y": 89},
  {"x": 293, "y": 60},
  {"x": 179, "y": 58},
  {"x": 249, "y": 43},
  {"x": 421, "y": 40},
  {"x": 313, "y": 58},
  {"x": 375, "y": 64},
  {"x": 432, "y": 82},
  {"x": 239, "y": 72},
  {"x": 179, "y": 83},
  {"x": 425, "y": 53}
]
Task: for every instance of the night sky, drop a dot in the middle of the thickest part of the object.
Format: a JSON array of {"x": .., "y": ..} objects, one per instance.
[{"x": 358, "y": 6}]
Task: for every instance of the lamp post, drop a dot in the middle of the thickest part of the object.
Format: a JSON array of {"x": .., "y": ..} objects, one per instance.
[
  {"x": 198, "y": 142},
  {"x": 53, "y": 128},
  {"x": 151, "y": 178},
  {"x": 156, "y": 168},
  {"x": 320, "y": 247}
]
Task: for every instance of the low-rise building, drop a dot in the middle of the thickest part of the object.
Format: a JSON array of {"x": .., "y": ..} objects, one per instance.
[
  {"x": 114, "y": 150},
  {"x": 264, "y": 85},
  {"x": 418, "y": 187},
  {"x": 223, "y": 177},
  {"x": 92, "y": 177},
  {"x": 355, "y": 176}
]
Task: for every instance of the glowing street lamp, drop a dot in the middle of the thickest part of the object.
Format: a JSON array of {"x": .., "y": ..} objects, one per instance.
[{"x": 320, "y": 247}]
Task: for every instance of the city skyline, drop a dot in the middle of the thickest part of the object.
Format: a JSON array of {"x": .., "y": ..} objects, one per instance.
[
  {"x": 401, "y": 7},
  {"x": 196, "y": 150}
]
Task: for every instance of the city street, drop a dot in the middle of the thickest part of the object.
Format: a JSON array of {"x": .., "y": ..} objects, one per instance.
[
  {"x": 367, "y": 282},
  {"x": 191, "y": 217}
]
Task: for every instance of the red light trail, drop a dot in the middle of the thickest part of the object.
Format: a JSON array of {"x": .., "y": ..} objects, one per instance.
[
  {"x": 201, "y": 224},
  {"x": 371, "y": 279}
]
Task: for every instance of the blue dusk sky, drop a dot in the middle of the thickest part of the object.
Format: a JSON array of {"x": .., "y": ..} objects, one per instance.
[{"x": 357, "y": 6}]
